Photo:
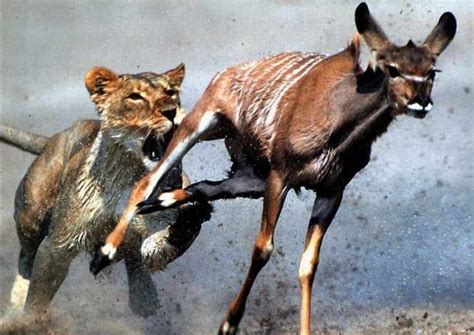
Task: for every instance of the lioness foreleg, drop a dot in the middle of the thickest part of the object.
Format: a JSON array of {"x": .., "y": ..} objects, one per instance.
[{"x": 142, "y": 294}]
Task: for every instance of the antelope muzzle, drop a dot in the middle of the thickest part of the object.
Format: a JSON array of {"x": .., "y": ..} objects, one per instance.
[{"x": 419, "y": 106}]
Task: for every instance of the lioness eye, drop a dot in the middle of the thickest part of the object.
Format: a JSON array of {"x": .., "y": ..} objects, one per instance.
[
  {"x": 135, "y": 96},
  {"x": 393, "y": 71}
]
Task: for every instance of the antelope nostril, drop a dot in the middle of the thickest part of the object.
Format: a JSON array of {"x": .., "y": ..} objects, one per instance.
[{"x": 170, "y": 114}]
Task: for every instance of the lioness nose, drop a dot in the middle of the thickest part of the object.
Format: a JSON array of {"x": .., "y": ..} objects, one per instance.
[{"x": 170, "y": 114}]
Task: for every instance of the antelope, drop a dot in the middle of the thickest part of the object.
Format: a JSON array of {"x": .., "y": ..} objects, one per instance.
[{"x": 296, "y": 120}]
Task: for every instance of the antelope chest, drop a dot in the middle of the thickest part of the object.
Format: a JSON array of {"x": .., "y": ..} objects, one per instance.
[{"x": 323, "y": 170}]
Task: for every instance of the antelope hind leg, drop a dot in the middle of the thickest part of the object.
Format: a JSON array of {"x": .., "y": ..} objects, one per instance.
[
  {"x": 243, "y": 184},
  {"x": 275, "y": 193}
]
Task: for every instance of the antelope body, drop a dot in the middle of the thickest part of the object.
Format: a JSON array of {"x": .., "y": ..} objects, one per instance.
[{"x": 296, "y": 120}]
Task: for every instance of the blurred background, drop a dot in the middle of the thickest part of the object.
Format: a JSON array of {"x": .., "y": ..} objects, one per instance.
[{"x": 399, "y": 254}]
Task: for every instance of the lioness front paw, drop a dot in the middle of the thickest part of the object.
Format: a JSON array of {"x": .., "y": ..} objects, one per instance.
[{"x": 102, "y": 259}]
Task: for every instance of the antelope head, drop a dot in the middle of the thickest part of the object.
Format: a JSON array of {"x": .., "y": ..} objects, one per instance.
[{"x": 410, "y": 69}]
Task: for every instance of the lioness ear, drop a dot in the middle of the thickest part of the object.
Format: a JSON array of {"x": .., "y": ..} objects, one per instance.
[
  {"x": 175, "y": 76},
  {"x": 98, "y": 78}
]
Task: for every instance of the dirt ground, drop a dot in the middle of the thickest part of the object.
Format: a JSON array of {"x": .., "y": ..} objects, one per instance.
[
  {"x": 398, "y": 258},
  {"x": 403, "y": 322}
]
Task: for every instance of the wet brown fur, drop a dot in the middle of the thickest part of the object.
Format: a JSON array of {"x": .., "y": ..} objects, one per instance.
[{"x": 73, "y": 192}]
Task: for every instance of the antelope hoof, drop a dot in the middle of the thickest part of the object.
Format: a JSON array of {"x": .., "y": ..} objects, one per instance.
[
  {"x": 101, "y": 259},
  {"x": 164, "y": 201},
  {"x": 227, "y": 329}
]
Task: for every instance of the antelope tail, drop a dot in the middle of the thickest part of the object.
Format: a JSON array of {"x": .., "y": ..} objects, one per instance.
[{"x": 23, "y": 140}]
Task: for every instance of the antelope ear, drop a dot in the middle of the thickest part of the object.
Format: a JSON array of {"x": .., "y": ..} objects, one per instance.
[
  {"x": 369, "y": 28},
  {"x": 442, "y": 34},
  {"x": 98, "y": 78},
  {"x": 175, "y": 76}
]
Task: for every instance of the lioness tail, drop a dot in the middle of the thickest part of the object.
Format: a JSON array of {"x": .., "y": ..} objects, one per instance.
[{"x": 23, "y": 140}]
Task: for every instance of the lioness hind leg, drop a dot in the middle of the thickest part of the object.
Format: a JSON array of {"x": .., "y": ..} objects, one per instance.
[
  {"x": 32, "y": 217},
  {"x": 18, "y": 293},
  {"x": 32, "y": 226},
  {"x": 49, "y": 271},
  {"x": 32, "y": 223},
  {"x": 21, "y": 283},
  {"x": 38, "y": 190},
  {"x": 35, "y": 197}
]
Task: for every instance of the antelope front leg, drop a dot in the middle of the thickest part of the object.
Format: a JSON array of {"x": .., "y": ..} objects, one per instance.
[
  {"x": 324, "y": 209},
  {"x": 193, "y": 128},
  {"x": 275, "y": 193}
]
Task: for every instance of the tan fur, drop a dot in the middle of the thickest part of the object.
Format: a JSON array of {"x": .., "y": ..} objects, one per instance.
[{"x": 69, "y": 199}]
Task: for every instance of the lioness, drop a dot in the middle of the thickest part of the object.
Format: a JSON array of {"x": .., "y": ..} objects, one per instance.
[{"x": 75, "y": 190}]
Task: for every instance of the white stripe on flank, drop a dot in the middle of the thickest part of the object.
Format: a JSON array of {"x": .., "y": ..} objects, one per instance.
[
  {"x": 288, "y": 59},
  {"x": 263, "y": 70},
  {"x": 278, "y": 75},
  {"x": 267, "y": 88},
  {"x": 274, "y": 105},
  {"x": 247, "y": 88},
  {"x": 290, "y": 80},
  {"x": 247, "y": 84}
]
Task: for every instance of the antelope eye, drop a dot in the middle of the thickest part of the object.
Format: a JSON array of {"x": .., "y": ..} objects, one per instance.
[
  {"x": 135, "y": 96},
  {"x": 393, "y": 71},
  {"x": 170, "y": 92}
]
